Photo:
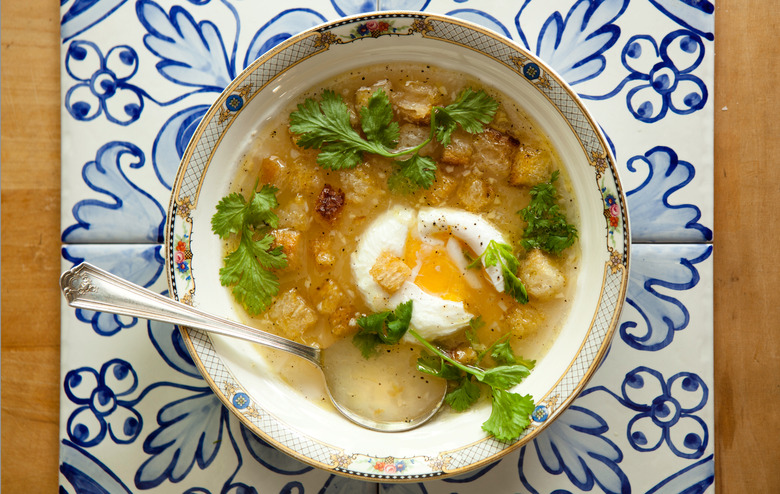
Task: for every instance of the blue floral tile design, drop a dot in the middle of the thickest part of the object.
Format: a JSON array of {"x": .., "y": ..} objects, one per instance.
[
  {"x": 137, "y": 417},
  {"x": 136, "y": 78}
]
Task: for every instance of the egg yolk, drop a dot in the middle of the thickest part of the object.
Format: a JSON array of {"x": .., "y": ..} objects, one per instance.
[{"x": 437, "y": 274}]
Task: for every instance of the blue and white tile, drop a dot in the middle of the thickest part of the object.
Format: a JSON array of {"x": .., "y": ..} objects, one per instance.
[
  {"x": 641, "y": 68},
  {"x": 136, "y": 415},
  {"x": 135, "y": 82},
  {"x": 136, "y": 79},
  {"x": 650, "y": 404},
  {"x": 132, "y": 97},
  {"x": 135, "y": 412}
]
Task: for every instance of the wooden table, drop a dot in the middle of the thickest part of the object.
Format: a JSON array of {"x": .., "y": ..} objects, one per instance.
[{"x": 747, "y": 280}]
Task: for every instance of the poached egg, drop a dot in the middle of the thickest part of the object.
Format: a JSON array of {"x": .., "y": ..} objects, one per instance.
[{"x": 433, "y": 243}]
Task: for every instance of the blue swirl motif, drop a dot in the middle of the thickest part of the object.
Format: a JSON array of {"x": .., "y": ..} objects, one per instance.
[
  {"x": 575, "y": 444},
  {"x": 141, "y": 265},
  {"x": 575, "y": 45},
  {"x": 482, "y": 18},
  {"x": 652, "y": 214},
  {"x": 270, "y": 457},
  {"x": 102, "y": 408},
  {"x": 168, "y": 342},
  {"x": 190, "y": 432},
  {"x": 693, "y": 479},
  {"x": 85, "y": 474},
  {"x": 663, "y": 405},
  {"x": 663, "y": 315},
  {"x": 696, "y": 15},
  {"x": 103, "y": 83},
  {"x": 193, "y": 54},
  {"x": 140, "y": 214},
  {"x": 171, "y": 141},
  {"x": 662, "y": 76},
  {"x": 83, "y": 14}
]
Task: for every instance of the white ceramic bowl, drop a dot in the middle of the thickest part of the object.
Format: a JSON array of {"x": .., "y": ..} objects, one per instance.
[{"x": 451, "y": 443}]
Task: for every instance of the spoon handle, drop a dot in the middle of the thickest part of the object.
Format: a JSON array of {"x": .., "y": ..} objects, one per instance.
[{"x": 88, "y": 287}]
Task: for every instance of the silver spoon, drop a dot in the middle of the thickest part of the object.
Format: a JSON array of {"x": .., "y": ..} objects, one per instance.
[{"x": 88, "y": 287}]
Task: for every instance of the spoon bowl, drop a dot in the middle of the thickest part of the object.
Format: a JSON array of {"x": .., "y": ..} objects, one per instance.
[{"x": 417, "y": 397}]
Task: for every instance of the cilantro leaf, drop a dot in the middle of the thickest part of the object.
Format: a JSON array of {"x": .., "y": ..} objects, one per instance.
[
  {"x": 376, "y": 119},
  {"x": 413, "y": 173},
  {"x": 472, "y": 110},
  {"x": 339, "y": 156},
  {"x": 505, "y": 376},
  {"x": 498, "y": 254},
  {"x": 248, "y": 268},
  {"x": 386, "y": 327},
  {"x": 230, "y": 214},
  {"x": 325, "y": 125},
  {"x": 502, "y": 352},
  {"x": 510, "y": 415},
  {"x": 464, "y": 395},
  {"x": 513, "y": 286},
  {"x": 547, "y": 228},
  {"x": 260, "y": 208}
]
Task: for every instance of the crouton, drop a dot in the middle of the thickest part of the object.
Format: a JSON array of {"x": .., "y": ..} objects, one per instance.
[
  {"x": 494, "y": 152},
  {"x": 291, "y": 315},
  {"x": 530, "y": 167},
  {"x": 289, "y": 241},
  {"x": 342, "y": 321},
  {"x": 295, "y": 214},
  {"x": 541, "y": 276},
  {"x": 415, "y": 101},
  {"x": 359, "y": 184},
  {"x": 502, "y": 123},
  {"x": 328, "y": 297},
  {"x": 330, "y": 300},
  {"x": 411, "y": 135},
  {"x": 322, "y": 251},
  {"x": 271, "y": 169},
  {"x": 465, "y": 354},
  {"x": 440, "y": 190},
  {"x": 459, "y": 151},
  {"x": 363, "y": 94},
  {"x": 295, "y": 176},
  {"x": 390, "y": 271},
  {"x": 474, "y": 193},
  {"x": 524, "y": 320}
]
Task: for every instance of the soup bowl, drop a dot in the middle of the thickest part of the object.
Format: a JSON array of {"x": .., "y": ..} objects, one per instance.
[{"x": 451, "y": 443}]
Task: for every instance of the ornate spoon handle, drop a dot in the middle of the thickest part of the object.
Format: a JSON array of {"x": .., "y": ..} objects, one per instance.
[{"x": 88, "y": 287}]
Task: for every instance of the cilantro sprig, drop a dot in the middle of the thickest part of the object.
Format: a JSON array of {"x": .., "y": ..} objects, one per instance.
[
  {"x": 325, "y": 125},
  {"x": 249, "y": 268},
  {"x": 510, "y": 412},
  {"x": 498, "y": 254},
  {"x": 547, "y": 228}
]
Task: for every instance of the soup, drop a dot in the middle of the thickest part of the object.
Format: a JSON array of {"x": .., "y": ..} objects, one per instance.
[{"x": 357, "y": 243}]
